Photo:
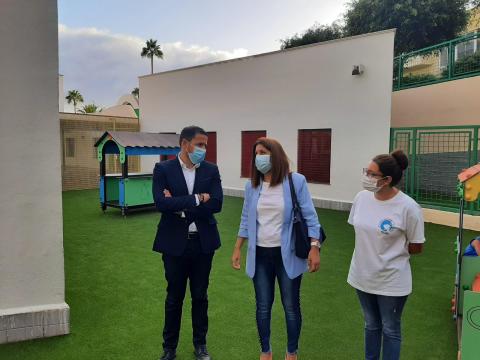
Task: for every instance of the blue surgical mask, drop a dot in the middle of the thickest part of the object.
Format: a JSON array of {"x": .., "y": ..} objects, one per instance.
[
  {"x": 198, "y": 155},
  {"x": 263, "y": 164}
]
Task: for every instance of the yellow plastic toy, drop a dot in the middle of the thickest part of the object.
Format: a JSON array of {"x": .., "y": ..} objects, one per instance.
[{"x": 471, "y": 183}]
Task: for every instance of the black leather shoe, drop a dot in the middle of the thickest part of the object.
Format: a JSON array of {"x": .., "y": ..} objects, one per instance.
[
  {"x": 201, "y": 353},
  {"x": 168, "y": 355}
]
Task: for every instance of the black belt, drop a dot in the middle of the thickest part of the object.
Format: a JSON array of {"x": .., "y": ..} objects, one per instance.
[{"x": 192, "y": 235}]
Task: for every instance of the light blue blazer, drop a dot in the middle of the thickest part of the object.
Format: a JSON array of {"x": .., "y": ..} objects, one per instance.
[{"x": 294, "y": 266}]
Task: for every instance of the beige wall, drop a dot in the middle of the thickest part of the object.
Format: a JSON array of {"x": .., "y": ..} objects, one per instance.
[
  {"x": 450, "y": 103},
  {"x": 447, "y": 218},
  {"x": 81, "y": 171},
  {"x": 31, "y": 240},
  {"x": 310, "y": 87}
]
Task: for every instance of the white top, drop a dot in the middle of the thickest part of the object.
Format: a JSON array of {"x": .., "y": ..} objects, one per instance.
[
  {"x": 189, "y": 175},
  {"x": 383, "y": 229},
  {"x": 270, "y": 210}
]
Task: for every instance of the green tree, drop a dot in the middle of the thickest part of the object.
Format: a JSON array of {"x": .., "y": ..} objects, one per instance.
[
  {"x": 74, "y": 97},
  {"x": 89, "y": 109},
  {"x": 136, "y": 92},
  {"x": 317, "y": 33},
  {"x": 419, "y": 23},
  {"x": 151, "y": 50}
]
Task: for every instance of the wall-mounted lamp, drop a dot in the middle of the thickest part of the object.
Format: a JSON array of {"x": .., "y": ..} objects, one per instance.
[{"x": 358, "y": 70}]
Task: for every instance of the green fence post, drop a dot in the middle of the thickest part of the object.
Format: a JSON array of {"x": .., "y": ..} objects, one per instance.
[
  {"x": 400, "y": 71},
  {"x": 392, "y": 139},
  {"x": 451, "y": 60},
  {"x": 474, "y": 206},
  {"x": 475, "y": 145},
  {"x": 413, "y": 190}
]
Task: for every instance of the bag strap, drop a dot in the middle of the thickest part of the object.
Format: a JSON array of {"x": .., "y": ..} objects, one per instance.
[
  {"x": 292, "y": 192},
  {"x": 296, "y": 205}
]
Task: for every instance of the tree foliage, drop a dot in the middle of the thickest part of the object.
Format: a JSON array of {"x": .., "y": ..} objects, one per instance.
[
  {"x": 151, "y": 50},
  {"x": 74, "y": 96},
  {"x": 136, "y": 92},
  {"x": 317, "y": 33},
  {"x": 89, "y": 109},
  {"x": 419, "y": 23}
]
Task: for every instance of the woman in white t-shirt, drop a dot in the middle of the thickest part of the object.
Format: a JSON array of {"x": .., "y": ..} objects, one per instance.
[{"x": 388, "y": 229}]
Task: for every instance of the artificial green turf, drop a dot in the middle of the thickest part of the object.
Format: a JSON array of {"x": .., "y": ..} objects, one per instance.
[{"x": 116, "y": 289}]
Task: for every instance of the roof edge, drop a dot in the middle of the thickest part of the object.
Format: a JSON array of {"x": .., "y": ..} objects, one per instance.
[{"x": 271, "y": 52}]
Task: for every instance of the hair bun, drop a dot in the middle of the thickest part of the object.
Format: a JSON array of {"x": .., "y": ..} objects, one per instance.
[{"x": 401, "y": 158}]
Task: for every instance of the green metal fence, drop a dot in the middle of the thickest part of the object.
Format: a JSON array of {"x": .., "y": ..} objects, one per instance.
[
  {"x": 436, "y": 156},
  {"x": 455, "y": 59}
]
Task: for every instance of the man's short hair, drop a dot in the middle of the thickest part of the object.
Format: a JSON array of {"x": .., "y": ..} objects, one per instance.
[{"x": 189, "y": 132}]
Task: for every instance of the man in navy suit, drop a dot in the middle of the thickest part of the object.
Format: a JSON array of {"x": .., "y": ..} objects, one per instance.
[{"x": 187, "y": 191}]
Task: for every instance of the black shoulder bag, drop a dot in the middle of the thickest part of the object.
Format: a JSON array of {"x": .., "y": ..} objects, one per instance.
[{"x": 300, "y": 228}]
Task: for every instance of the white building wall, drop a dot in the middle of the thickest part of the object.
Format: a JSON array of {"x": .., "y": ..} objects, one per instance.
[
  {"x": 303, "y": 88},
  {"x": 61, "y": 94},
  {"x": 32, "y": 296}
]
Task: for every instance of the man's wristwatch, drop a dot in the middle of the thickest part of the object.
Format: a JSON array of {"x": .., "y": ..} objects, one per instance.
[{"x": 316, "y": 243}]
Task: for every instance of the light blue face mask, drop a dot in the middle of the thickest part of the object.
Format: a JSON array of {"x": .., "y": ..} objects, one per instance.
[
  {"x": 263, "y": 164},
  {"x": 198, "y": 155}
]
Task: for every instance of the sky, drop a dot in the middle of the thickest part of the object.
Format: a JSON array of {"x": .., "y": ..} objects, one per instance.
[{"x": 100, "y": 41}]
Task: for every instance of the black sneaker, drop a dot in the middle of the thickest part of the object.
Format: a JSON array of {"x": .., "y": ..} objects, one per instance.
[
  {"x": 201, "y": 353},
  {"x": 168, "y": 354}
]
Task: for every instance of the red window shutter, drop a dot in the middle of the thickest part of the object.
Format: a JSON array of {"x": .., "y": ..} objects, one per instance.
[
  {"x": 167, "y": 157},
  {"x": 314, "y": 154},
  {"x": 248, "y": 139},
  {"x": 212, "y": 147}
]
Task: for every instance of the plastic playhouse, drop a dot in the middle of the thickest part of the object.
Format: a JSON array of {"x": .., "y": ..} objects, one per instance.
[
  {"x": 130, "y": 190},
  {"x": 467, "y": 296}
]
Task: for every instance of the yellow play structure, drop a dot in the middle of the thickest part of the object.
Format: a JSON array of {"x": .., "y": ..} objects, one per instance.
[{"x": 467, "y": 301}]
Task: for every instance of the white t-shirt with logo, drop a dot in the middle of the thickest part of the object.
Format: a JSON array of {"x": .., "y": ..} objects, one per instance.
[
  {"x": 383, "y": 229},
  {"x": 270, "y": 210}
]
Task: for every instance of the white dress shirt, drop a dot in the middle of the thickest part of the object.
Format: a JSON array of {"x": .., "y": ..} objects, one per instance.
[{"x": 189, "y": 175}]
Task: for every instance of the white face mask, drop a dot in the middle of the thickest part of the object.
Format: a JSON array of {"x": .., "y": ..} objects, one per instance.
[{"x": 370, "y": 184}]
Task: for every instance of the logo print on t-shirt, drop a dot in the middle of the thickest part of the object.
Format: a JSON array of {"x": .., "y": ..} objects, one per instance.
[{"x": 386, "y": 226}]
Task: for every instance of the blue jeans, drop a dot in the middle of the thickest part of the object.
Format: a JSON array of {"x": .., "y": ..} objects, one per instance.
[
  {"x": 382, "y": 324},
  {"x": 268, "y": 266}
]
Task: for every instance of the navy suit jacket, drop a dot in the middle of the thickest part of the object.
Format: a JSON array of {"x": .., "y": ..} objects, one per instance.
[{"x": 171, "y": 238}]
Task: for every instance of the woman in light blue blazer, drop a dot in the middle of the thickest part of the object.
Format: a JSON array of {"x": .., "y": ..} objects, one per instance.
[{"x": 266, "y": 224}]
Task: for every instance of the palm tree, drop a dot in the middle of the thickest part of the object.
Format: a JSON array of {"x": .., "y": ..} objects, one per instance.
[
  {"x": 150, "y": 50},
  {"x": 136, "y": 92},
  {"x": 89, "y": 109},
  {"x": 75, "y": 97}
]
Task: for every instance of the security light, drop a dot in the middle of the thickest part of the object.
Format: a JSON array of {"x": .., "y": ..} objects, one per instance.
[{"x": 358, "y": 70}]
